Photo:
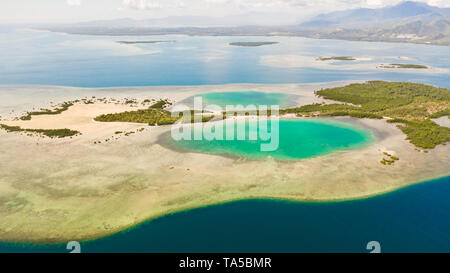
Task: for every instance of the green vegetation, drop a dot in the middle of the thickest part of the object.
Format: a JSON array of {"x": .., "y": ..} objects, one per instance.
[
  {"x": 443, "y": 113},
  {"x": 154, "y": 115},
  {"x": 413, "y": 66},
  {"x": 151, "y": 116},
  {"x": 64, "y": 107},
  {"x": 389, "y": 160},
  {"x": 145, "y": 42},
  {"x": 336, "y": 58},
  {"x": 423, "y": 133},
  {"x": 410, "y": 104},
  {"x": 252, "y": 43},
  {"x": 52, "y": 133},
  {"x": 333, "y": 110},
  {"x": 161, "y": 104}
]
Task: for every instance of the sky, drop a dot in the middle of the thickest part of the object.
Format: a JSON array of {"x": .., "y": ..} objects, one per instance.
[{"x": 70, "y": 11}]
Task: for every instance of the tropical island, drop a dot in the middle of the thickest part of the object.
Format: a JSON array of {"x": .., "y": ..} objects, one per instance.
[
  {"x": 145, "y": 42},
  {"x": 406, "y": 66},
  {"x": 337, "y": 58},
  {"x": 128, "y": 168},
  {"x": 409, "y": 105},
  {"x": 250, "y": 44},
  {"x": 52, "y": 133}
]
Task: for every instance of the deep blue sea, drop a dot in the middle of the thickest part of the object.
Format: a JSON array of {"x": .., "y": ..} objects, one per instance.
[{"x": 414, "y": 219}]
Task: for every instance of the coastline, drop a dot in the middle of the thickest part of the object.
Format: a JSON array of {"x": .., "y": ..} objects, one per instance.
[
  {"x": 276, "y": 34},
  {"x": 25, "y": 244},
  {"x": 145, "y": 186},
  {"x": 22, "y": 98}
]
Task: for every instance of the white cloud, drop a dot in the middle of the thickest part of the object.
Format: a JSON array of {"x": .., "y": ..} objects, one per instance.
[{"x": 74, "y": 2}]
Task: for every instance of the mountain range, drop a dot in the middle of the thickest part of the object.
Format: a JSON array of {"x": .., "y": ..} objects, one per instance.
[
  {"x": 405, "y": 12},
  {"x": 412, "y": 22}
]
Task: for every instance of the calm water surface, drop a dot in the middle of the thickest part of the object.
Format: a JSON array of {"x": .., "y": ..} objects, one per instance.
[
  {"x": 297, "y": 139},
  {"x": 36, "y": 57}
]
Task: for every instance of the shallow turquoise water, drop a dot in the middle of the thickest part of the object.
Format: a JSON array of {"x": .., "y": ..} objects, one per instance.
[
  {"x": 297, "y": 139},
  {"x": 413, "y": 219},
  {"x": 246, "y": 98}
]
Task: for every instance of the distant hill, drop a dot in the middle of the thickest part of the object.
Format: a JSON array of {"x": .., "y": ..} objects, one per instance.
[
  {"x": 251, "y": 18},
  {"x": 434, "y": 32},
  {"x": 406, "y": 22},
  {"x": 410, "y": 22},
  {"x": 365, "y": 18}
]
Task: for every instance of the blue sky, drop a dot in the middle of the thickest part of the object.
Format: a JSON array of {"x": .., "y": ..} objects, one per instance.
[{"x": 63, "y": 11}]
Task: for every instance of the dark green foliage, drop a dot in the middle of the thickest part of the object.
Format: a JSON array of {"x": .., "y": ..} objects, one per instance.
[
  {"x": 149, "y": 116},
  {"x": 414, "y": 66},
  {"x": 333, "y": 110},
  {"x": 52, "y": 133},
  {"x": 161, "y": 104},
  {"x": 64, "y": 107},
  {"x": 337, "y": 58},
  {"x": 252, "y": 43},
  {"x": 381, "y": 95},
  {"x": 424, "y": 133}
]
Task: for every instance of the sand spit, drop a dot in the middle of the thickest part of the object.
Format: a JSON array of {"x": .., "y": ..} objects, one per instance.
[
  {"x": 58, "y": 190},
  {"x": 299, "y": 61}
]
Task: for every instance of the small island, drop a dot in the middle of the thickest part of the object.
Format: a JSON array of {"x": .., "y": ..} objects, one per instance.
[
  {"x": 145, "y": 42},
  {"x": 337, "y": 58},
  {"x": 407, "y": 66},
  {"x": 252, "y": 43},
  {"x": 51, "y": 133}
]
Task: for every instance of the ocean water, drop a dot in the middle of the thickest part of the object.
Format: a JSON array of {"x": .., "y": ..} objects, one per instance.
[
  {"x": 413, "y": 219},
  {"x": 246, "y": 98},
  {"x": 45, "y": 58},
  {"x": 297, "y": 140}
]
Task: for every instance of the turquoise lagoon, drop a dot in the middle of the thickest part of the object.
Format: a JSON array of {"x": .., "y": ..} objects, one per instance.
[{"x": 297, "y": 139}]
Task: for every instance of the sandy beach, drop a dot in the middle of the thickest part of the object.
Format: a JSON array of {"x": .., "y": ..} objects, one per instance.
[
  {"x": 58, "y": 190},
  {"x": 359, "y": 63}
]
